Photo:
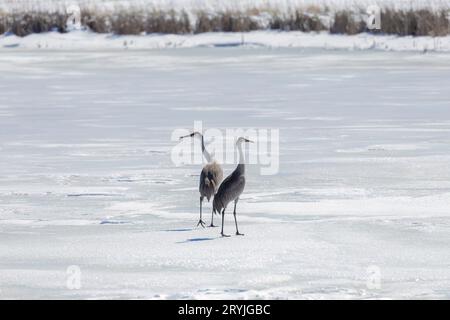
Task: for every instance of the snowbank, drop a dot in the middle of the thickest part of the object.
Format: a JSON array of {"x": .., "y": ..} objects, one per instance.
[{"x": 83, "y": 40}]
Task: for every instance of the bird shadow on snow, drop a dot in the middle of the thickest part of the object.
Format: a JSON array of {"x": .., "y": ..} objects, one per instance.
[
  {"x": 179, "y": 230},
  {"x": 195, "y": 240}
]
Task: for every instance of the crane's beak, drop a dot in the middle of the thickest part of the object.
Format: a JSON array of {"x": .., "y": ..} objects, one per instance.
[
  {"x": 247, "y": 140},
  {"x": 188, "y": 135}
]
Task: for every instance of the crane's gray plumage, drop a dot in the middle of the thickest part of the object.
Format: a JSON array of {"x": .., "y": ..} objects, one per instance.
[
  {"x": 231, "y": 188},
  {"x": 210, "y": 178}
]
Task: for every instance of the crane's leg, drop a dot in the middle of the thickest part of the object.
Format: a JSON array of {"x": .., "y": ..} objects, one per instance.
[
  {"x": 200, "y": 222},
  {"x": 212, "y": 219},
  {"x": 235, "y": 221},
  {"x": 223, "y": 215}
]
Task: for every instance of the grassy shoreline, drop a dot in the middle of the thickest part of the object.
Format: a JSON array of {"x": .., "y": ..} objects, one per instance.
[{"x": 146, "y": 20}]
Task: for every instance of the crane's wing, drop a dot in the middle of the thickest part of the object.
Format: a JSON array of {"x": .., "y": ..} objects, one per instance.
[{"x": 230, "y": 189}]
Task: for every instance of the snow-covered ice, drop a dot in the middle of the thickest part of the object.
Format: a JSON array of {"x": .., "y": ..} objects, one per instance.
[{"x": 86, "y": 177}]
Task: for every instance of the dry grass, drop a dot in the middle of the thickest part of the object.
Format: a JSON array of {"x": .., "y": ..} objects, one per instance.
[
  {"x": 299, "y": 21},
  {"x": 137, "y": 22},
  {"x": 3, "y": 27},
  {"x": 227, "y": 21},
  {"x": 398, "y": 22},
  {"x": 345, "y": 23},
  {"x": 97, "y": 22},
  {"x": 415, "y": 23},
  {"x": 23, "y": 24},
  {"x": 149, "y": 20}
]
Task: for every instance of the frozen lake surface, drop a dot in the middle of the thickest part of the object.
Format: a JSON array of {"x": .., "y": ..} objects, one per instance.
[{"x": 86, "y": 178}]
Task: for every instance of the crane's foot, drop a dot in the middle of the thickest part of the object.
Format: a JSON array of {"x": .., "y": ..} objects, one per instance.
[
  {"x": 212, "y": 226},
  {"x": 200, "y": 222},
  {"x": 225, "y": 235},
  {"x": 239, "y": 234}
]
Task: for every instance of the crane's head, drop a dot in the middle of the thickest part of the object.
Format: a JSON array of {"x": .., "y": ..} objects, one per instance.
[
  {"x": 242, "y": 139},
  {"x": 191, "y": 135}
]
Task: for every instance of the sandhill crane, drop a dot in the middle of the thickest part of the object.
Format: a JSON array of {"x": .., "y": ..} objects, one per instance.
[
  {"x": 210, "y": 178},
  {"x": 231, "y": 188}
]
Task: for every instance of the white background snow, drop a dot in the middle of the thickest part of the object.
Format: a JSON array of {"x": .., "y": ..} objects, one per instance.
[
  {"x": 86, "y": 177},
  {"x": 217, "y": 5}
]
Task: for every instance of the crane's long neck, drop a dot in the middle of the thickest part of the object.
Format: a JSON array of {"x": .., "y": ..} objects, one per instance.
[
  {"x": 205, "y": 152},
  {"x": 241, "y": 165}
]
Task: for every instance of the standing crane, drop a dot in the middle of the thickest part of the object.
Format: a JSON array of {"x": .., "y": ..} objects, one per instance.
[
  {"x": 231, "y": 188},
  {"x": 210, "y": 178}
]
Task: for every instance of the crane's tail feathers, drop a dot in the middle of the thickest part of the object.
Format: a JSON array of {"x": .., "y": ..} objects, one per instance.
[
  {"x": 216, "y": 208},
  {"x": 210, "y": 183}
]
